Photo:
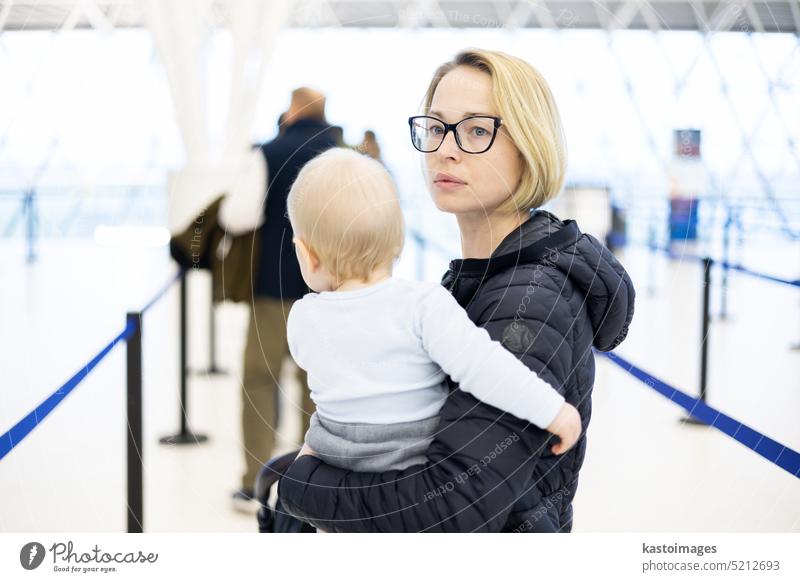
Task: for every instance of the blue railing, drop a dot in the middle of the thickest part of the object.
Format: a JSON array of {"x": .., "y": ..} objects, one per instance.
[
  {"x": 775, "y": 452},
  {"x": 132, "y": 335}
]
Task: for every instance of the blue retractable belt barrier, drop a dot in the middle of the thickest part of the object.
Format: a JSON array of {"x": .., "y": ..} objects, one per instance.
[
  {"x": 724, "y": 264},
  {"x": 781, "y": 455},
  {"x": 19, "y": 431},
  {"x": 163, "y": 290}
]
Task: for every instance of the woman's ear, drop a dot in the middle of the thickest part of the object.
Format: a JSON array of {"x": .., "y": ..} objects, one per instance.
[{"x": 307, "y": 254}]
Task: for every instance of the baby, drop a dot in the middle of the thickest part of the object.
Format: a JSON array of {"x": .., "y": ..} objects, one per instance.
[{"x": 377, "y": 348}]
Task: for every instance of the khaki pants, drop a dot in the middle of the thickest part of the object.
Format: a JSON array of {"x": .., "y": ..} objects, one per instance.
[{"x": 264, "y": 354}]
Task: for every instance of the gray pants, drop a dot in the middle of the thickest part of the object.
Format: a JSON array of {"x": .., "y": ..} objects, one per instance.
[
  {"x": 264, "y": 354},
  {"x": 371, "y": 447}
]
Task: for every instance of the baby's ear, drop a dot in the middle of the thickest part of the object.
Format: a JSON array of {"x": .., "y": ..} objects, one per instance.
[
  {"x": 313, "y": 259},
  {"x": 309, "y": 256}
]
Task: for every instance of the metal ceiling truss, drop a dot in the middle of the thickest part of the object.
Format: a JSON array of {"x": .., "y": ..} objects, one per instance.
[{"x": 700, "y": 15}]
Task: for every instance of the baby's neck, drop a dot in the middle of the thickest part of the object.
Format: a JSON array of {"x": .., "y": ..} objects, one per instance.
[{"x": 375, "y": 276}]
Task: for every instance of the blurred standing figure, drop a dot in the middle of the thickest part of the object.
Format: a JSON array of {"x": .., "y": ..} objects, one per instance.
[
  {"x": 338, "y": 133},
  {"x": 281, "y": 123},
  {"x": 369, "y": 146},
  {"x": 277, "y": 285}
]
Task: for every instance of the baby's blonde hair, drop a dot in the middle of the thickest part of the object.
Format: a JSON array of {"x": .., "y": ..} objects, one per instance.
[{"x": 344, "y": 205}]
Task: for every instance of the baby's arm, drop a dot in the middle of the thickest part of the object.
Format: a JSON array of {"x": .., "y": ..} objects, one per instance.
[
  {"x": 296, "y": 326},
  {"x": 481, "y": 366}
]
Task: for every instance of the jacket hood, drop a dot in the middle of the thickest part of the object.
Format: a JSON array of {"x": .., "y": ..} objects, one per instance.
[
  {"x": 584, "y": 260},
  {"x": 590, "y": 266}
]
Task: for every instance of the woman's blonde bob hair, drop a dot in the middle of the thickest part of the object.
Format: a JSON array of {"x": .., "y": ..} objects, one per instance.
[
  {"x": 344, "y": 205},
  {"x": 523, "y": 100}
]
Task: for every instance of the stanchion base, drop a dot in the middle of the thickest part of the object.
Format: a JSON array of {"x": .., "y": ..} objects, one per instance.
[
  {"x": 188, "y": 438},
  {"x": 692, "y": 420}
]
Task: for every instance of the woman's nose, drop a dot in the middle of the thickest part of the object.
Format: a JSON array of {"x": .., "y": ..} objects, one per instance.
[{"x": 449, "y": 148}]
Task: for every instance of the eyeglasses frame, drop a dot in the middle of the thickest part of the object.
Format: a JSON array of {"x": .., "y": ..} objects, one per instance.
[{"x": 448, "y": 127}]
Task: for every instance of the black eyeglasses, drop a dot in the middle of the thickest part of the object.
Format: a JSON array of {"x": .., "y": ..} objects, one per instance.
[{"x": 474, "y": 135}]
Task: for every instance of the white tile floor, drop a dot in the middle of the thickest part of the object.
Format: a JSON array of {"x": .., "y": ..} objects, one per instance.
[{"x": 644, "y": 470}]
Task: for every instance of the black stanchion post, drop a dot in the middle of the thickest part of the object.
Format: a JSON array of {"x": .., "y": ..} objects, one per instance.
[
  {"x": 183, "y": 355},
  {"x": 212, "y": 340},
  {"x": 30, "y": 225},
  {"x": 795, "y": 346},
  {"x": 213, "y": 369},
  {"x": 726, "y": 262},
  {"x": 420, "y": 255},
  {"x": 708, "y": 264},
  {"x": 134, "y": 414},
  {"x": 185, "y": 436},
  {"x": 651, "y": 272}
]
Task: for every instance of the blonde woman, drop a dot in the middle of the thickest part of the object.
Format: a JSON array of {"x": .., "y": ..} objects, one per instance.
[{"x": 494, "y": 153}]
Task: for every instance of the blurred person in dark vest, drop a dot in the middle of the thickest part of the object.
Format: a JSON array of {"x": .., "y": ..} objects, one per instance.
[{"x": 303, "y": 134}]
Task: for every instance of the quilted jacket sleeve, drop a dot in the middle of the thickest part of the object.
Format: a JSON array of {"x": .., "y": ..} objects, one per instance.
[{"x": 478, "y": 466}]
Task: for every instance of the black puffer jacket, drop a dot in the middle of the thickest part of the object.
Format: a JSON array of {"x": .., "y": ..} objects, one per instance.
[{"x": 548, "y": 293}]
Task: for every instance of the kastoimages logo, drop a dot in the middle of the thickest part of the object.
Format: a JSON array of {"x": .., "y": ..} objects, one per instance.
[{"x": 31, "y": 555}]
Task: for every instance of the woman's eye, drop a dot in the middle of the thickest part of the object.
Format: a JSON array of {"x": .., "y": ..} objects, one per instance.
[
  {"x": 480, "y": 132},
  {"x": 436, "y": 130}
]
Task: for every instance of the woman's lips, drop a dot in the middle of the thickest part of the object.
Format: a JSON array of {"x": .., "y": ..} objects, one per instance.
[
  {"x": 447, "y": 182},
  {"x": 447, "y": 185}
]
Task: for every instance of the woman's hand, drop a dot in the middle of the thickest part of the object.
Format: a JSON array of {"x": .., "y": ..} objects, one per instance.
[{"x": 306, "y": 450}]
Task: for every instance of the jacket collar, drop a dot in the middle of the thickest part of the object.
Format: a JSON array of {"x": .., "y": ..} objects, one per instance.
[
  {"x": 531, "y": 241},
  {"x": 581, "y": 259},
  {"x": 306, "y": 123}
]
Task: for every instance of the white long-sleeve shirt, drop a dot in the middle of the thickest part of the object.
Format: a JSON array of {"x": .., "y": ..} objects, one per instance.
[{"x": 380, "y": 354}]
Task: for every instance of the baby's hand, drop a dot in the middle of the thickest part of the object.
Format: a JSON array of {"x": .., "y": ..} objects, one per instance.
[
  {"x": 306, "y": 450},
  {"x": 567, "y": 426}
]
